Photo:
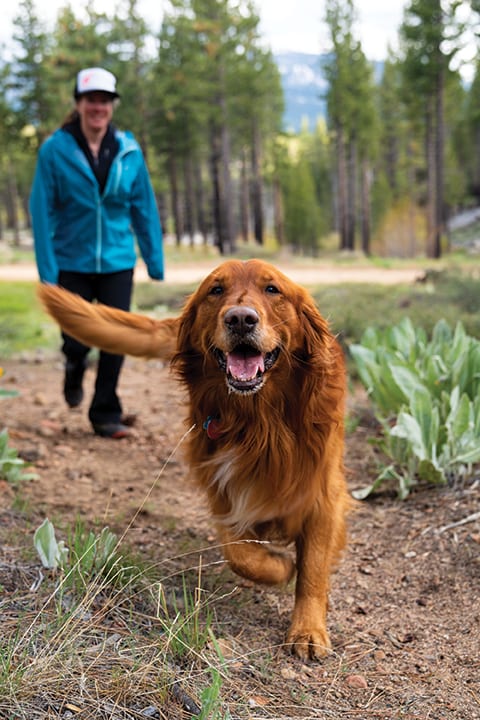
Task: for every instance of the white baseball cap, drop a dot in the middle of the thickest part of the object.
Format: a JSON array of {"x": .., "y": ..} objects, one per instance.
[{"x": 95, "y": 80}]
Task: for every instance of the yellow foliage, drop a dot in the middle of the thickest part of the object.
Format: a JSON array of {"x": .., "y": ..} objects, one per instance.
[{"x": 402, "y": 231}]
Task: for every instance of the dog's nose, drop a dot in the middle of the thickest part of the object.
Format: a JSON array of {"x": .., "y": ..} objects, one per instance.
[{"x": 241, "y": 319}]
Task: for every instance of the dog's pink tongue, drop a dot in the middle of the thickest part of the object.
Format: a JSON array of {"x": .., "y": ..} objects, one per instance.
[{"x": 243, "y": 366}]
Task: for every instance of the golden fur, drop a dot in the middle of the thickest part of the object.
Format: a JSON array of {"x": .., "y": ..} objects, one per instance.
[{"x": 266, "y": 385}]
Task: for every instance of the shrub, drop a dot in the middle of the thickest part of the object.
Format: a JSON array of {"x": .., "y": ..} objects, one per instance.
[{"x": 426, "y": 395}]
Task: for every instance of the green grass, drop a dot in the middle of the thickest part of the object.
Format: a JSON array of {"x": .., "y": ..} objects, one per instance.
[
  {"x": 449, "y": 294},
  {"x": 112, "y": 636},
  {"x": 23, "y": 323}
]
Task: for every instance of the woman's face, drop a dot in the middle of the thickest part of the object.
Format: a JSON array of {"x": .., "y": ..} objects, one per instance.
[{"x": 95, "y": 110}]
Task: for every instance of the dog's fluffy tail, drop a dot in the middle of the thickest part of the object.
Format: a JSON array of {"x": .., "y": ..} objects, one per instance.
[{"x": 109, "y": 329}]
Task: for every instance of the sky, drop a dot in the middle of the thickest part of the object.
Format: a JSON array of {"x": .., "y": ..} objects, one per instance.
[{"x": 285, "y": 24}]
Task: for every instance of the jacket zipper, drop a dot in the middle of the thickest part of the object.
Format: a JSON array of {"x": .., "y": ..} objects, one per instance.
[
  {"x": 98, "y": 259},
  {"x": 116, "y": 182}
]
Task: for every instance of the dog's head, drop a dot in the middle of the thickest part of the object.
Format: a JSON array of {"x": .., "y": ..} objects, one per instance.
[{"x": 247, "y": 320}]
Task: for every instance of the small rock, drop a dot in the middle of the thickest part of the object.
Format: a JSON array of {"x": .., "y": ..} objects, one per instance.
[
  {"x": 150, "y": 712},
  {"x": 257, "y": 701},
  {"x": 288, "y": 673},
  {"x": 367, "y": 569},
  {"x": 356, "y": 681}
]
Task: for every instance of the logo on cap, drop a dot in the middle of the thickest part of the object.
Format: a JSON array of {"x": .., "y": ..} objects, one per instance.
[{"x": 95, "y": 80}]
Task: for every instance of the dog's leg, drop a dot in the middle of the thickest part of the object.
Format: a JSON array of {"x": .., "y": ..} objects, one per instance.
[
  {"x": 255, "y": 559},
  {"x": 318, "y": 547}
]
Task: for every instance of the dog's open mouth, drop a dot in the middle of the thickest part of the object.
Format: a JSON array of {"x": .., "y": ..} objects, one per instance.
[{"x": 245, "y": 367}]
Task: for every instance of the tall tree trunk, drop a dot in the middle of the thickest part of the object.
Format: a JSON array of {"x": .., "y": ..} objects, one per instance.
[
  {"x": 12, "y": 206},
  {"x": 391, "y": 161},
  {"x": 257, "y": 186},
  {"x": 412, "y": 204},
  {"x": 200, "y": 201},
  {"x": 342, "y": 188},
  {"x": 278, "y": 212},
  {"x": 439, "y": 167},
  {"x": 430, "y": 141},
  {"x": 218, "y": 228},
  {"x": 244, "y": 204},
  {"x": 175, "y": 198},
  {"x": 26, "y": 210},
  {"x": 226, "y": 205},
  {"x": 365, "y": 199},
  {"x": 190, "y": 224},
  {"x": 351, "y": 195},
  {"x": 221, "y": 159}
]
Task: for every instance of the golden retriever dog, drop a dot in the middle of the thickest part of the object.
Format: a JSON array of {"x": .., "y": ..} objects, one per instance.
[{"x": 266, "y": 385}]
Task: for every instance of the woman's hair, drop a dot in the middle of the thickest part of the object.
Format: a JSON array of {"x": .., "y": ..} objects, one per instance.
[{"x": 71, "y": 117}]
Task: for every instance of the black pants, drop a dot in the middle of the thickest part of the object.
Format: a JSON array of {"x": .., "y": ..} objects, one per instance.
[{"x": 114, "y": 289}]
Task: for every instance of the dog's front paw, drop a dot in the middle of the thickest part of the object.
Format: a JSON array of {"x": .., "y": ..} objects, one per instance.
[{"x": 308, "y": 644}]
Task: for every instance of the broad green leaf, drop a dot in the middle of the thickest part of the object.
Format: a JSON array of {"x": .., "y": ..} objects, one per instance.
[
  {"x": 441, "y": 334},
  {"x": 468, "y": 457},
  {"x": 407, "y": 427},
  {"x": 366, "y": 364},
  {"x": 460, "y": 419},
  {"x": 386, "y": 474},
  {"x": 428, "y": 472},
  {"x": 427, "y": 418},
  {"x": 52, "y": 554},
  {"x": 407, "y": 381}
]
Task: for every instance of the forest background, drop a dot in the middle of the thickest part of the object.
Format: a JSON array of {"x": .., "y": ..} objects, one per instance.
[{"x": 395, "y": 157}]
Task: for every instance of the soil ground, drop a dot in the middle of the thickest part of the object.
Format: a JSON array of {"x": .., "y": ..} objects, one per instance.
[
  {"x": 405, "y": 615},
  {"x": 405, "y": 608}
]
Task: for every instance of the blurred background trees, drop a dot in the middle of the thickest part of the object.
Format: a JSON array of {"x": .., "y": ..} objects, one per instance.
[{"x": 396, "y": 154}]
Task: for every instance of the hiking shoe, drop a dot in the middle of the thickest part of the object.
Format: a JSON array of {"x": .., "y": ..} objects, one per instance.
[
  {"x": 116, "y": 431},
  {"x": 72, "y": 387}
]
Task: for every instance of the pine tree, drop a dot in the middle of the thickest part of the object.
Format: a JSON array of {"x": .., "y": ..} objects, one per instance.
[
  {"x": 428, "y": 28},
  {"x": 352, "y": 120}
]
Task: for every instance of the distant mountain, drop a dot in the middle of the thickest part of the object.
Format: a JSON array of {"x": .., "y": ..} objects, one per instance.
[{"x": 304, "y": 87}]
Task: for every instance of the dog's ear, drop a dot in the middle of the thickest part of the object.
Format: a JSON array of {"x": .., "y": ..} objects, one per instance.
[{"x": 316, "y": 332}]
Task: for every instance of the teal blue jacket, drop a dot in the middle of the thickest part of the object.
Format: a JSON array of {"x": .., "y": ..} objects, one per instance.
[{"x": 77, "y": 228}]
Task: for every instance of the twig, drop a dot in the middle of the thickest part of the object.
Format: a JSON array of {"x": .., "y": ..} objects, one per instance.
[
  {"x": 185, "y": 700},
  {"x": 469, "y": 519}
]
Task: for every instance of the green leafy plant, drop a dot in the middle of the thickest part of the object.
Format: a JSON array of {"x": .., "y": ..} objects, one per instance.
[
  {"x": 426, "y": 395},
  {"x": 93, "y": 554},
  {"x": 89, "y": 557},
  {"x": 53, "y": 554},
  {"x": 211, "y": 701},
  {"x": 12, "y": 467}
]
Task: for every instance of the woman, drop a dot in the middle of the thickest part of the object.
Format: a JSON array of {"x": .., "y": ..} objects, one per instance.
[{"x": 91, "y": 197}]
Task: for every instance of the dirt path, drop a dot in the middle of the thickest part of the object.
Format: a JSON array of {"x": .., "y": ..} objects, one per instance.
[
  {"x": 404, "y": 620},
  {"x": 304, "y": 274}
]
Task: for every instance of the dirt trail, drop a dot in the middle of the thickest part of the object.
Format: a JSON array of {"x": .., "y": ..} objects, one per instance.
[
  {"x": 404, "y": 618},
  {"x": 303, "y": 274}
]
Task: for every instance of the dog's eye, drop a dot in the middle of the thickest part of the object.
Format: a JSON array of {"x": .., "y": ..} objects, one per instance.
[
  {"x": 272, "y": 289},
  {"x": 216, "y": 290}
]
